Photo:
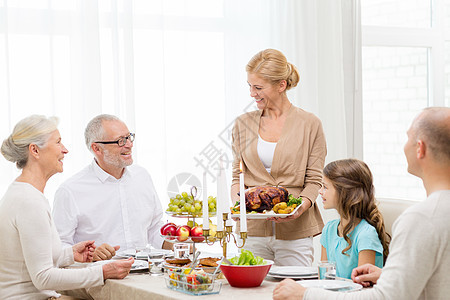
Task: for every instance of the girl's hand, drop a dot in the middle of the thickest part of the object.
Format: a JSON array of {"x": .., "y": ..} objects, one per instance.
[{"x": 83, "y": 251}]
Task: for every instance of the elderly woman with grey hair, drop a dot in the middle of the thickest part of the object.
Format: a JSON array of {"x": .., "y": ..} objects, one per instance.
[{"x": 31, "y": 256}]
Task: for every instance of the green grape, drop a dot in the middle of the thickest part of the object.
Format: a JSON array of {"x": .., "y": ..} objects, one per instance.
[
  {"x": 214, "y": 200},
  {"x": 176, "y": 201},
  {"x": 182, "y": 203},
  {"x": 178, "y": 210},
  {"x": 212, "y": 205},
  {"x": 198, "y": 206},
  {"x": 188, "y": 206},
  {"x": 184, "y": 194},
  {"x": 178, "y": 197},
  {"x": 192, "y": 209}
]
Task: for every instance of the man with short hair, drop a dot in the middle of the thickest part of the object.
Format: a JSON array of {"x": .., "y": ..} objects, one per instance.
[
  {"x": 419, "y": 258},
  {"x": 110, "y": 201}
]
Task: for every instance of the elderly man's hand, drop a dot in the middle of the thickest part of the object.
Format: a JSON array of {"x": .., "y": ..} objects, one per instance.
[
  {"x": 83, "y": 251},
  {"x": 288, "y": 289},
  {"x": 366, "y": 275},
  {"x": 105, "y": 252}
]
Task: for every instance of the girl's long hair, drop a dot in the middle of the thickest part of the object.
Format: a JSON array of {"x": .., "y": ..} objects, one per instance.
[{"x": 353, "y": 182}]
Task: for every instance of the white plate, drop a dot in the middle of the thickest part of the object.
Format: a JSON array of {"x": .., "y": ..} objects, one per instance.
[
  {"x": 332, "y": 285},
  {"x": 137, "y": 265},
  {"x": 293, "y": 271},
  {"x": 293, "y": 276},
  {"x": 132, "y": 253},
  {"x": 266, "y": 215}
]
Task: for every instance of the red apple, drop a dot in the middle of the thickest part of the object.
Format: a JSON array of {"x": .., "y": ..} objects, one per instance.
[
  {"x": 170, "y": 230},
  {"x": 165, "y": 225},
  {"x": 197, "y": 234},
  {"x": 187, "y": 227},
  {"x": 183, "y": 233}
]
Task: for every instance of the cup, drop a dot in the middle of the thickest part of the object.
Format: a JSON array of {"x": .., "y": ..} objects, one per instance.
[
  {"x": 141, "y": 251},
  {"x": 181, "y": 250},
  {"x": 327, "y": 270},
  {"x": 155, "y": 263}
]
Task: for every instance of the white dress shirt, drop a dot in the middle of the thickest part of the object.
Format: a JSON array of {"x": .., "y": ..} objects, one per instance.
[
  {"x": 93, "y": 205},
  {"x": 31, "y": 255}
]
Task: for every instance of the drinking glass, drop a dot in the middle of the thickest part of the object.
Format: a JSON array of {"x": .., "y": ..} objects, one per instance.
[
  {"x": 141, "y": 251},
  {"x": 155, "y": 263},
  {"x": 327, "y": 270},
  {"x": 181, "y": 250}
]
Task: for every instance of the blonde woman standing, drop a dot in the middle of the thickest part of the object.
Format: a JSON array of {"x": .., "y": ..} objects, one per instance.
[
  {"x": 31, "y": 256},
  {"x": 280, "y": 145}
]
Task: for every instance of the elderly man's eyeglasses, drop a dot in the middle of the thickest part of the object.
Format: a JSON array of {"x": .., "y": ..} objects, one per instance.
[{"x": 121, "y": 141}]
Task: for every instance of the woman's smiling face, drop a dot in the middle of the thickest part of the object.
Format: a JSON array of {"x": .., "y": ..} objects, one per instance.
[
  {"x": 265, "y": 93},
  {"x": 52, "y": 154}
]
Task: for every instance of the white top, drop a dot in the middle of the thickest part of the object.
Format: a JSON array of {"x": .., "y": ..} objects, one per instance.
[
  {"x": 265, "y": 152},
  {"x": 93, "y": 205},
  {"x": 418, "y": 263},
  {"x": 31, "y": 252}
]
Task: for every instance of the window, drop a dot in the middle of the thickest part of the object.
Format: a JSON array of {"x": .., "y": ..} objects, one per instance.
[{"x": 405, "y": 46}]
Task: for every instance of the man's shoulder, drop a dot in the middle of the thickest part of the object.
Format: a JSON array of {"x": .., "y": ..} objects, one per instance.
[
  {"x": 137, "y": 170},
  {"x": 84, "y": 174}
]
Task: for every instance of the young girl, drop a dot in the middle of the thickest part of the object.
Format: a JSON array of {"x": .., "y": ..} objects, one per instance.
[{"x": 358, "y": 237}]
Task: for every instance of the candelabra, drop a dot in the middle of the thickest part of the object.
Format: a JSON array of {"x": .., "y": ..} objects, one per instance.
[{"x": 225, "y": 236}]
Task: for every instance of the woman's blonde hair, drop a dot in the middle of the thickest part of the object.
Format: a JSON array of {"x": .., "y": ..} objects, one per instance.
[
  {"x": 353, "y": 182},
  {"x": 35, "y": 129},
  {"x": 272, "y": 65}
]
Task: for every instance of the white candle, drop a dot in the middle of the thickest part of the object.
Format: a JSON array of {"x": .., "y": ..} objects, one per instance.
[
  {"x": 243, "y": 213},
  {"x": 219, "y": 216},
  {"x": 205, "y": 204},
  {"x": 219, "y": 202}
]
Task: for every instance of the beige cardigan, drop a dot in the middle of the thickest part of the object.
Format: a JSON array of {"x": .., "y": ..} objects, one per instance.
[{"x": 297, "y": 165}]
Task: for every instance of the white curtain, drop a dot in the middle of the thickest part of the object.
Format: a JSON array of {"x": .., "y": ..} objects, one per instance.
[{"x": 173, "y": 70}]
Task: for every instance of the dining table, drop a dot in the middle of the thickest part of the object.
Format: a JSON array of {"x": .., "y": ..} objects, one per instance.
[{"x": 142, "y": 285}]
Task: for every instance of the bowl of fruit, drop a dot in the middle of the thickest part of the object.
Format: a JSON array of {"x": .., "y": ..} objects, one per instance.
[
  {"x": 193, "y": 282},
  {"x": 186, "y": 205},
  {"x": 186, "y": 233},
  {"x": 247, "y": 270}
]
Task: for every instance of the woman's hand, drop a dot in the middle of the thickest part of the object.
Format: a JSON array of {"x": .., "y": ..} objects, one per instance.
[
  {"x": 288, "y": 289},
  {"x": 83, "y": 251},
  {"x": 304, "y": 207},
  {"x": 117, "y": 269}
]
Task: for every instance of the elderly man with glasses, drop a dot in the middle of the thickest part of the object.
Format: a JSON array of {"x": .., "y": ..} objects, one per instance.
[{"x": 110, "y": 201}]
